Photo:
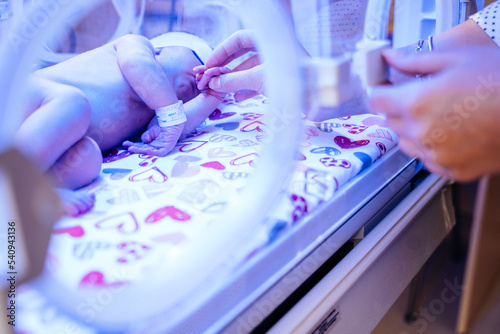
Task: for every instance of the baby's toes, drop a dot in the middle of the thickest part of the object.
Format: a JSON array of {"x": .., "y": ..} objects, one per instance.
[
  {"x": 76, "y": 203},
  {"x": 88, "y": 201},
  {"x": 70, "y": 209},
  {"x": 85, "y": 201}
]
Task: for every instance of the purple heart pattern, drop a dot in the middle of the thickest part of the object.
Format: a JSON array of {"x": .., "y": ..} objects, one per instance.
[
  {"x": 218, "y": 115},
  {"x": 332, "y": 162},
  {"x": 346, "y": 143}
]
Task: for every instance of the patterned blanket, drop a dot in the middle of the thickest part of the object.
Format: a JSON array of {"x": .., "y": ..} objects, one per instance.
[{"x": 147, "y": 206}]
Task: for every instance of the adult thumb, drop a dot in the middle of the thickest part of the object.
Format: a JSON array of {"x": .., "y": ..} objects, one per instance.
[{"x": 252, "y": 79}]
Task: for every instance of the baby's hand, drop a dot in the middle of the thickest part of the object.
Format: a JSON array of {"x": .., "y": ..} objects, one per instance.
[
  {"x": 157, "y": 140},
  {"x": 204, "y": 75},
  {"x": 200, "y": 69}
]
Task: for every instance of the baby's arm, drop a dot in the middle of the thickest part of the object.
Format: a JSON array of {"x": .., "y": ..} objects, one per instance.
[
  {"x": 199, "y": 108},
  {"x": 135, "y": 56}
]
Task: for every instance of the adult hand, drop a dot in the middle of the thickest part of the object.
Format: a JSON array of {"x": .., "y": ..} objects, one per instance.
[
  {"x": 452, "y": 121},
  {"x": 246, "y": 79}
]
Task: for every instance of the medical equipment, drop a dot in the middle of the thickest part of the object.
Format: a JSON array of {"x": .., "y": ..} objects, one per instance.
[
  {"x": 5, "y": 11},
  {"x": 221, "y": 284}
]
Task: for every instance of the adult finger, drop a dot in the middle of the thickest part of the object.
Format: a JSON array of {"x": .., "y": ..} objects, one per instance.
[
  {"x": 209, "y": 74},
  {"x": 437, "y": 169},
  {"x": 426, "y": 63},
  {"x": 252, "y": 79},
  {"x": 233, "y": 47},
  {"x": 423, "y": 154},
  {"x": 410, "y": 148},
  {"x": 393, "y": 101},
  {"x": 243, "y": 95},
  {"x": 396, "y": 124},
  {"x": 247, "y": 64}
]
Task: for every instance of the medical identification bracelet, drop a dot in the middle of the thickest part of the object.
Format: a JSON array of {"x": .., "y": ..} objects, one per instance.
[{"x": 171, "y": 115}]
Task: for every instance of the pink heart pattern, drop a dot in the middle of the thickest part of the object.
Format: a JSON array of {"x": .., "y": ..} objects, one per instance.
[
  {"x": 300, "y": 207},
  {"x": 167, "y": 211},
  {"x": 154, "y": 175},
  {"x": 355, "y": 129},
  {"x": 374, "y": 121},
  {"x": 250, "y": 116},
  {"x": 132, "y": 251},
  {"x": 96, "y": 278},
  {"x": 190, "y": 145},
  {"x": 219, "y": 152},
  {"x": 148, "y": 160},
  {"x": 75, "y": 231},
  {"x": 254, "y": 126},
  {"x": 246, "y": 159},
  {"x": 381, "y": 147},
  {"x": 346, "y": 143},
  {"x": 125, "y": 223},
  {"x": 213, "y": 164}
]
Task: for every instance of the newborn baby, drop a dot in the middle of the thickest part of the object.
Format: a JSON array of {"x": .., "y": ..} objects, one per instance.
[{"x": 95, "y": 101}]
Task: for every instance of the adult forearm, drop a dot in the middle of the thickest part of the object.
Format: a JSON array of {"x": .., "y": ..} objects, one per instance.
[{"x": 466, "y": 34}]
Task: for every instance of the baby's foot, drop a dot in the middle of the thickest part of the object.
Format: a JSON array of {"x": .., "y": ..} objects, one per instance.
[{"x": 76, "y": 202}]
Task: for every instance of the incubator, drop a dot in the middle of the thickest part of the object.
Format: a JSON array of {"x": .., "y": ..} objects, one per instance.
[{"x": 264, "y": 219}]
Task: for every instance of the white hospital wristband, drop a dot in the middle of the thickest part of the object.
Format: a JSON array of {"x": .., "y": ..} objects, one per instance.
[{"x": 171, "y": 115}]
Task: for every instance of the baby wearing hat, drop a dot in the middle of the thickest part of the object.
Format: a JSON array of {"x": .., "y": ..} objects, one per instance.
[{"x": 77, "y": 109}]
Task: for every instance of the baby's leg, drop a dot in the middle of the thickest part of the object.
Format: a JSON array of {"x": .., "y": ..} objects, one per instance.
[
  {"x": 78, "y": 166},
  {"x": 54, "y": 135},
  {"x": 60, "y": 120}
]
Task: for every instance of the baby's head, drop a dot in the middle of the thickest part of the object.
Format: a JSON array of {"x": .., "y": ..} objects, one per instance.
[{"x": 178, "y": 53}]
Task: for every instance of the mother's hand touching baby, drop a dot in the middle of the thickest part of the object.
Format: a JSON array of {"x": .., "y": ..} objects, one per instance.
[{"x": 246, "y": 79}]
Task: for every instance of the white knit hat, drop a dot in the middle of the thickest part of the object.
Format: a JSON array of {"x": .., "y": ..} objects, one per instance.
[{"x": 201, "y": 48}]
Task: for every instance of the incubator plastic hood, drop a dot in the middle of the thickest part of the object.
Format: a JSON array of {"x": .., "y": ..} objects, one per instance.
[{"x": 309, "y": 52}]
